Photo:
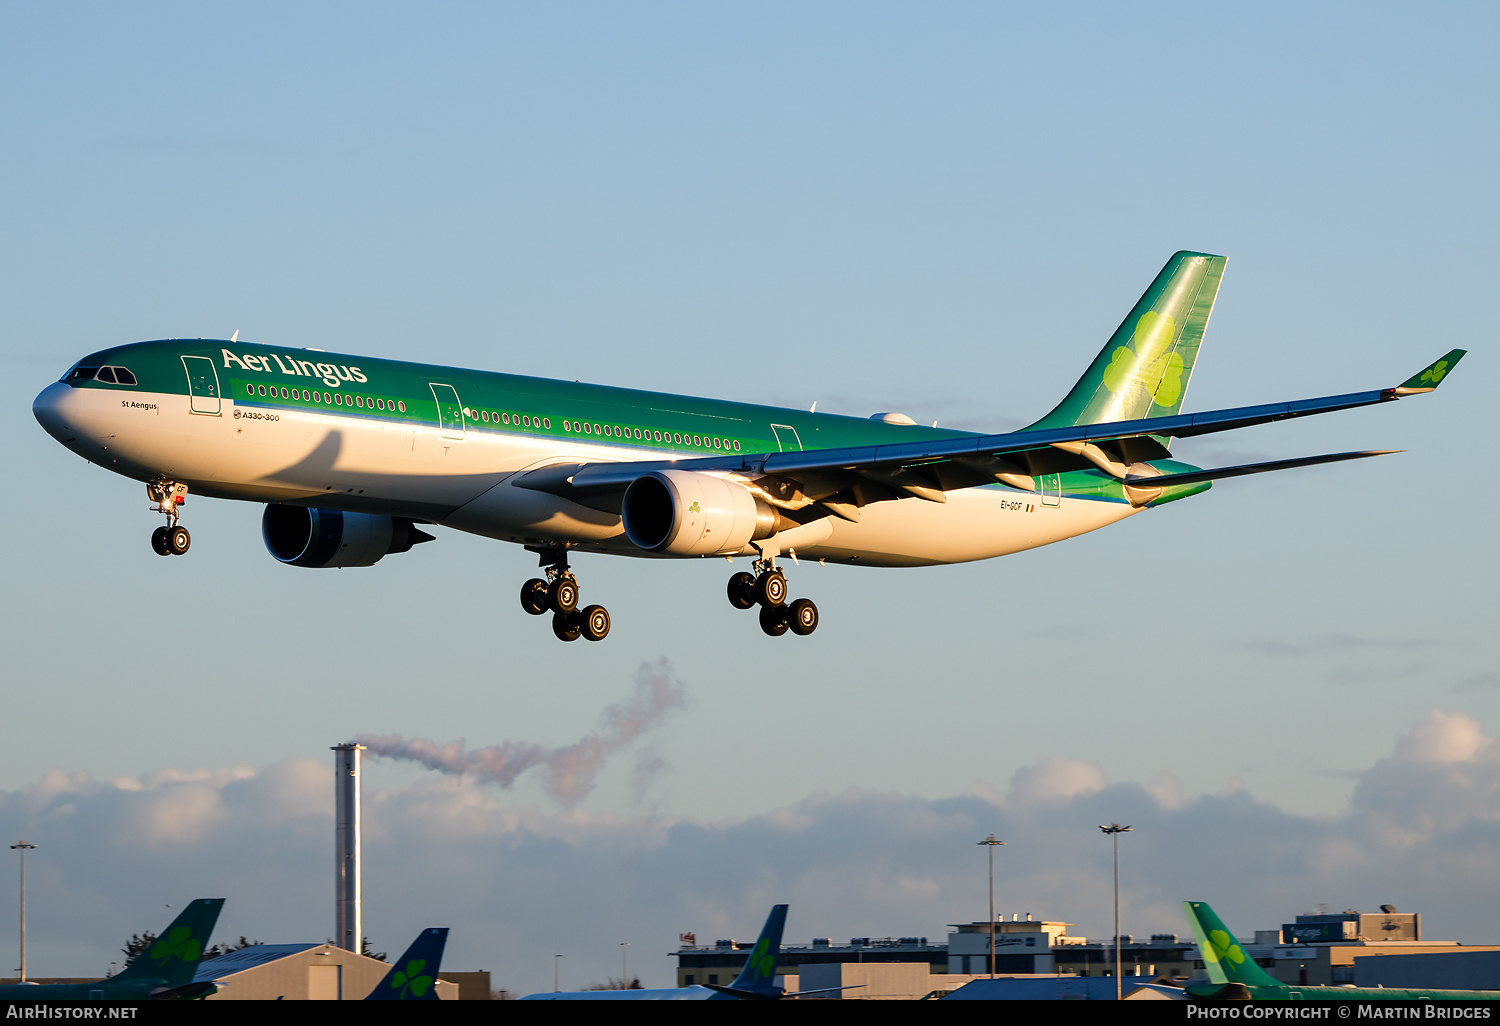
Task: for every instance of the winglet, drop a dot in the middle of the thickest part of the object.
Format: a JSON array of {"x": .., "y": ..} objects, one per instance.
[{"x": 1428, "y": 377}]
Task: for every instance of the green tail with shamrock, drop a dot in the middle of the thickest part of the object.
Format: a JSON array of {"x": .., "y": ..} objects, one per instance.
[
  {"x": 173, "y": 957},
  {"x": 414, "y": 975},
  {"x": 758, "y": 979},
  {"x": 1143, "y": 369},
  {"x": 1223, "y": 957}
]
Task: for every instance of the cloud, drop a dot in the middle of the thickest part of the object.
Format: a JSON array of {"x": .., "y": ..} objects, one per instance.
[
  {"x": 1486, "y": 681},
  {"x": 1052, "y": 780},
  {"x": 1328, "y": 644},
  {"x": 1422, "y": 831}
]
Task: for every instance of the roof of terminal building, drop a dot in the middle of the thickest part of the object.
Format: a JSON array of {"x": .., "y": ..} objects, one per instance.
[{"x": 246, "y": 958}]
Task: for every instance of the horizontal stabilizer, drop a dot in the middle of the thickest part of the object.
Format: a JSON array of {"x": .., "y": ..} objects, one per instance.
[{"x": 1252, "y": 468}]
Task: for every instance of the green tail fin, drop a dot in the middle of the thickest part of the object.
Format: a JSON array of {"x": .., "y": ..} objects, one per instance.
[
  {"x": 1223, "y": 957},
  {"x": 1143, "y": 369},
  {"x": 174, "y": 956},
  {"x": 757, "y": 981},
  {"x": 414, "y": 975}
]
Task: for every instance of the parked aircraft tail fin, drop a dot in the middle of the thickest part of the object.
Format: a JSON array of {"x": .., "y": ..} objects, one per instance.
[
  {"x": 1143, "y": 369},
  {"x": 1223, "y": 957},
  {"x": 757, "y": 979},
  {"x": 413, "y": 977},
  {"x": 173, "y": 957}
]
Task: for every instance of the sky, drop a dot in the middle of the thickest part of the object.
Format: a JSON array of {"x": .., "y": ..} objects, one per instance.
[{"x": 1287, "y": 683}]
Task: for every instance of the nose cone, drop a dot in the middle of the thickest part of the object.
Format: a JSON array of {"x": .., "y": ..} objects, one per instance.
[{"x": 50, "y": 410}]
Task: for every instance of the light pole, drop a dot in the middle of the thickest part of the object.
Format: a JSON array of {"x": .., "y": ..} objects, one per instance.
[
  {"x": 990, "y": 843},
  {"x": 1116, "y": 829},
  {"x": 624, "y": 965},
  {"x": 556, "y": 964},
  {"x": 23, "y": 847}
]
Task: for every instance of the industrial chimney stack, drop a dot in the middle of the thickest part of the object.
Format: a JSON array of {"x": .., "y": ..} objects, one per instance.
[{"x": 347, "y": 930}]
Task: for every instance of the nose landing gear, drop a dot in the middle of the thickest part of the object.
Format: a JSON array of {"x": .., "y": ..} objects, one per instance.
[
  {"x": 767, "y": 589},
  {"x": 559, "y": 593},
  {"x": 172, "y": 540}
]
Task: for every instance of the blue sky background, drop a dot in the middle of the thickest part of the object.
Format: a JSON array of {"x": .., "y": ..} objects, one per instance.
[{"x": 870, "y": 206}]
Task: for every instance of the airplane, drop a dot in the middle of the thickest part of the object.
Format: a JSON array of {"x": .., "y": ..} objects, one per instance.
[
  {"x": 164, "y": 970},
  {"x": 756, "y": 981},
  {"x": 413, "y": 976},
  {"x": 1234, "y": 976},
  {"x": 351, "y": 454}
]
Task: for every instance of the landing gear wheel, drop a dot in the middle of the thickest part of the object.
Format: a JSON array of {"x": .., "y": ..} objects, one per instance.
[
  {"x": 803, "y": 616},
  {"x": 773, "y": 620},
  {"x": 742, "y": 591},
  {"x": 562, "y": 597},
  {"x": 159, "y": 542},
  {"x": 595, "y": 623},
  {"x": 534, "y": 596},
  {"x": 178, "y": 540},
  {"x": 567, "y": 626},
  {"x": 770, "y": 589}
]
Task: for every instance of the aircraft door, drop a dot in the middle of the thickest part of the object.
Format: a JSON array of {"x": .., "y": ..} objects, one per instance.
[
  {"x": 450, "y": 410},
  {"x": 1051, "y": 485},
  {"x": 786, "y": 437},
  {"x": 203, "y": 384}
]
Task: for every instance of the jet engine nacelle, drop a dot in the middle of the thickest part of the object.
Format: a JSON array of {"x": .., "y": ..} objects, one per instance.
[
  {"x": 299, "y": 536},
  {"x": 685, "y": 513}
]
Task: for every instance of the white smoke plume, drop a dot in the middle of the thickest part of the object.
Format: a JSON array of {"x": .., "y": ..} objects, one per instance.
[{"x": 570, "y": 769}]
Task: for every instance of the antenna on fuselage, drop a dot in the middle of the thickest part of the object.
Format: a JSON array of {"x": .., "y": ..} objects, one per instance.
[{"x": 236, "y": 336}]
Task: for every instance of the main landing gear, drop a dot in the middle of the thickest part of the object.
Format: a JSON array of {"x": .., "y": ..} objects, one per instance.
[
  {"x": 559, "y": 593},
  {"x": 172, "y": 540},
  {"x": 767, "y": 589}
]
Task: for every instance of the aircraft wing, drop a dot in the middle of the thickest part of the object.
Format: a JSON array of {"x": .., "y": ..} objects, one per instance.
[{"x": 842, "y": 480}]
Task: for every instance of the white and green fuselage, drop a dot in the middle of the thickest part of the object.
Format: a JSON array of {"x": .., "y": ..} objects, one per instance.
[{"x": 443, "y": 445}]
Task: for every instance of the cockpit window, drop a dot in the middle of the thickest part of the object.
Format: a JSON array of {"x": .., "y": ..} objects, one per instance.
[{"x": 109, "y": 375}]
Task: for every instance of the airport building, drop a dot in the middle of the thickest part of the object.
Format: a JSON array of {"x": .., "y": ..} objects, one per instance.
[
  {"x": 720, "y": 962},
  {"x": 1320, "y": 949},
  {"x": 298, "y": 972},
  {"x": 1042, "y": 946},
  {"x": 911, "y": 967}
]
